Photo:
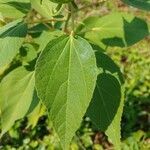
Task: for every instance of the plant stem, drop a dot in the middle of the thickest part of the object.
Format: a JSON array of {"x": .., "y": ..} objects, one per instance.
[
  {"x": 67, "y": 21},
  {"x": 46, "y": 21},
  {"x": 72, "y": 16}
]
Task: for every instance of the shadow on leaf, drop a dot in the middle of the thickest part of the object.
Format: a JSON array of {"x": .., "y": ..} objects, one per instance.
[
  {"x": 131, "y": 36},
  {"x": 105, "y": 102},
  {"x": 19, "y": 30},
  {"x": 23, "y": 7}
]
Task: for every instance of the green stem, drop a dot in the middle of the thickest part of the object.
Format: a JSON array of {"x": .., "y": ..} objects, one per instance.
[
  {"x": 45, "y": 21},
  {"x": 67, "y": 21},
  {"x": 72, "y": 16}
]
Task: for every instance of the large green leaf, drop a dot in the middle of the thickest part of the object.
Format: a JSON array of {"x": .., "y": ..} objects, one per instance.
[
  {"x": 104, "y": 107},
  {"x": 142, "y": 4},
  {"x": 65, "y": 80},
  {"x": 117, "y": 29},
  {"x": 11, "y": 38},
  {"x": 14, "y": 8},
  {"x": 16, "y": 94},
  {"x": 46, "y": 8}
]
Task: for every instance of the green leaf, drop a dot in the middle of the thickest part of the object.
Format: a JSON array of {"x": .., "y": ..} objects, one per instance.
[
  {"x": 114, "y": 130},
  {"x": 11, "y": 38},
  {"x": 105, "y": 101},
  {"x": 117, "y": 29},
  {"x": 65, "y": 80},
  {"x": 61, "y": 1},
  {"x": 34, "y": 116},
  {"x": 16, "y": 94},
  {"x": 141, "y": 4},
  {"x": 105, "y": 109},
  {"x": 27, "y": 53},
  {"x": 46, "y": 8},
  {"x": 35, "y": 102},
  {"x": 46, "y": 37},
  {"x": 105, "y": 63},
  {"x": 14, "y": 8}
]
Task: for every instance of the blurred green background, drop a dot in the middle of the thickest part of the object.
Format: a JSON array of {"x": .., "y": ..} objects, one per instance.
[{"x": 36, "y": 132}]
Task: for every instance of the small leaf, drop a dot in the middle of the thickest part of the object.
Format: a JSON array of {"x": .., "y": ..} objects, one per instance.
[
  {"x": 116, "y": 29},
  {"x": 46, "y": 8},
  {"x": 11, "y": 38},
  {"x": 35, "y": 102},
  {"x": 14, "y": 8},
  {"x": 141, "y": 4},
  {"x": 34, "y": 116},
  {"x": 16, "y": 94},
  {"x": 65, "y": 79}
]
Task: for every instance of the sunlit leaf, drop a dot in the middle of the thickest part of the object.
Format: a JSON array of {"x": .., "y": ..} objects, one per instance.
[
  {"x": 65, "y": 79},
  {"x": 116, "y": 29},
  {"x": 14, "y": 8},
  {"x": 11, "y": 38},
  {"x": 16, "y": 95},
  {"x": 46, "y": 8},
  {"x": 46, "y": 37}
]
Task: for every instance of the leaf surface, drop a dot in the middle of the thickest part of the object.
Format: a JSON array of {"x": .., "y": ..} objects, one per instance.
[
  {"x": 114, "y": 130},
  {"x": 11, "y": 38},
  {"x": 116, "y": 29},
  {"x": 106, "y": 64},
  {"x": 105, "y": 109},
  {"x": 46, "y": 8},
  {"x": 141, "y": 4},
  {"x": 46, "y": 37},
  {"x": 65, "y": 79},
  {"x": 105, "y": 102},
  {"x": 34, "y": 116},
  {"x": 16, "y": 95},
  {"x": 14, "y": 8}
]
